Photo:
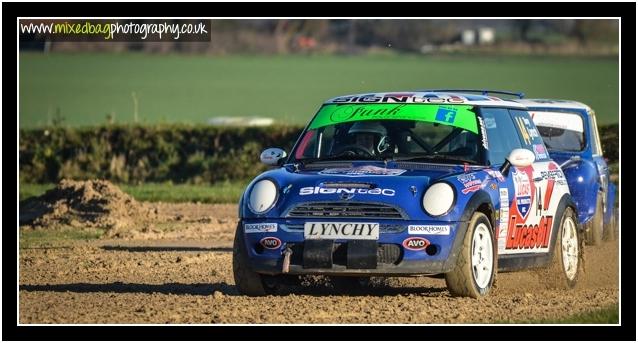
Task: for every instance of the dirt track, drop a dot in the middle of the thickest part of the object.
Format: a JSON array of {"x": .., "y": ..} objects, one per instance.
[{"x": 179, "y": 270}]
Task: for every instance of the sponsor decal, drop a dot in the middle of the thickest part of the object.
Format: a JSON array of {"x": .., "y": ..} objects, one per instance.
[
  {"x": 320, "y": 190},
  {"x": 470, "y": 183},
  {"x": 446, "y": 114},
  {"x": 398, "y": 97},
  {"x": 362, "y": 171},
  {"x": 270, "y": 242},
  {"x": 493, "y": 186},
  {"x": 523, "y": 130},
  {"x": 332, "y": 230},
  {"x": 529, "y": 236},
  {"x": 503, "y": 217},
  {"x": 415, "y": 243},
  {"x": 261, "y": 227},
  {"x": 459, "y": 116},
  {"x": 540, "y": 152},
  {"x": 483, "y": 133},
  {"x": 495, "y": 174},
  {"x": 523, "y": 195},
  {"x": 429, "y": 229},
  {"x": 490, "y": 123}
]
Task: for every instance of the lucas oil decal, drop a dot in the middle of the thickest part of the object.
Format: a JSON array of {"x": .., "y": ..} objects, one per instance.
[
  {"x": 529, "y": 222},
  {"x": 523, "y": 192}
]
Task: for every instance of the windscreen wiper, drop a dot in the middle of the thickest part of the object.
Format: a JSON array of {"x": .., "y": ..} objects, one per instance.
[{"x": 434, "y": 157}]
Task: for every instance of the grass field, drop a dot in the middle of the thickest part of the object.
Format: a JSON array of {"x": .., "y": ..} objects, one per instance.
[
  {"x": 86, "y": 88},
  {"x": 608, "y": 315}
]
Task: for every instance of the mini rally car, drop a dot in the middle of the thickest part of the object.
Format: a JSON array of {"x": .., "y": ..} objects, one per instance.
[
  {"x": 570, "y": 134},
  {"x": 412, "y": 183}
]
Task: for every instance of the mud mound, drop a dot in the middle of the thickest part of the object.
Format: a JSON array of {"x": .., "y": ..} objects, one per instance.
[{"x": 94, "y": 203}]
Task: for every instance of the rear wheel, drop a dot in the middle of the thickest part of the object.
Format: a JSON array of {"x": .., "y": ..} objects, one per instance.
[
  {"x": 595, "y": 225},
  {"x": 566, "y": 265},
  {"x": 475, "y": 270},
  {"x": 610, "y": 228}
]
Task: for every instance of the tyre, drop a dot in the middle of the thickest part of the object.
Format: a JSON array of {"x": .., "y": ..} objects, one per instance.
[
  {"x": 475, "y": 270},
  {"x": 247, "y": 281},
  {"x": 567, "y": 258},
  {"x": 595, "y": 225},
  {"x": 610, "y": 228}
]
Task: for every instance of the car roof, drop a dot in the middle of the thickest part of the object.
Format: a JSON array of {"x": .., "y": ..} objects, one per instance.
[
  {"x": 442, "y": 98},
  {"x": 553, "y": 103}
]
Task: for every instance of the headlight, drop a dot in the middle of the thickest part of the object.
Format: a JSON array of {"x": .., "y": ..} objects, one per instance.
[
  {"x": 438, "y": 199},
  {"x": 262, "y": 196}
]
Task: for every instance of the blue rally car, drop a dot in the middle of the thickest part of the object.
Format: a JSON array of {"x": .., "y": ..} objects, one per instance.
[
  {"x": 427, "y": 183},
  {"x": 570, "y": 133}
]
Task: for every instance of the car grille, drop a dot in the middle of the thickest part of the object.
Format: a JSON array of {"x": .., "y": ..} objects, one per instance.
[{"x": 345, "y": 210}]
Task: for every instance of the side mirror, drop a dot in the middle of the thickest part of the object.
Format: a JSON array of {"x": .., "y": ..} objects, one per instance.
[
  {"x": 573, "y": 159},
  {"x": 272, "y": 156},
  {"x": 518, "y": 158}
]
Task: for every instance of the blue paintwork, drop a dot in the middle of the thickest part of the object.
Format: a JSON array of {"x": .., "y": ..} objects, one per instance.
[
  {"x": 584, "y": 177},
  {"x": 404, "y": 198}
]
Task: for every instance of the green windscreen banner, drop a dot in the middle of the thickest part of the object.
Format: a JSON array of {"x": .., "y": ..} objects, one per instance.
[{"x": 453, "y": 115}]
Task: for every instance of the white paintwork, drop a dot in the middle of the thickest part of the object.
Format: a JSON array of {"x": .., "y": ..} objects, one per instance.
[
  {"x": 521, "y": 158},
  {"x": 438, "y": 199},
  {"x": 341, "y": 230},
  {"x": 271, "y": 156},
  {"x": 482, "y": 255},
  {"x": 559, "y": 120},
  {"x": 262, "y": 196}
]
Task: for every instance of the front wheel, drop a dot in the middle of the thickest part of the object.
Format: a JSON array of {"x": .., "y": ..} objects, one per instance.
[
  {"x": 475, "y": 270},
  {"x": 247, "y": 281}
]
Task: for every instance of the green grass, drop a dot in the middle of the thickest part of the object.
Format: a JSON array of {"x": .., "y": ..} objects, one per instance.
[
  {"x": 50, "y": 237},
  {"x": 218, "y": 193},
  {"x": 606, "y": 315},
  {"x": 222, "y": 192},
  {"x": 84, "y": 88}
]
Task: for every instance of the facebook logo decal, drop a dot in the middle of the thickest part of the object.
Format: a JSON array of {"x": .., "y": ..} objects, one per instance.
[{"x": 446, "y": 114}]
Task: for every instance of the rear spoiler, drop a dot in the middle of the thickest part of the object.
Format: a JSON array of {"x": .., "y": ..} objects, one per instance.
[{"x": 520, "y": 95}]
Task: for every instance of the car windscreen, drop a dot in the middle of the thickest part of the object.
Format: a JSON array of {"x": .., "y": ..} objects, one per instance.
[
  {"x": 414, "y": 132},
  {"x": 561, "y": 131}
]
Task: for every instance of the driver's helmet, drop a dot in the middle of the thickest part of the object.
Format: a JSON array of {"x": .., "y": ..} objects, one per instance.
[{"x": 374, "y": 129}]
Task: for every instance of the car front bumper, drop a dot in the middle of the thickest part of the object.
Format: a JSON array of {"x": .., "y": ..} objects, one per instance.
[{"x": 385, "y": 256}]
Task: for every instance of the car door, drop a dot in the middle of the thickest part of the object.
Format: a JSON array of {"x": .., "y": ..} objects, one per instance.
[{"x": 498, "y": 126}]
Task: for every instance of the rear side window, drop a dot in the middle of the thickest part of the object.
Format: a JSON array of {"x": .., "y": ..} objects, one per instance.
[
  {"x": 500, "y": 133},
  {"x": 528, "y": 133},
  {"x": 561, "y": 131}
]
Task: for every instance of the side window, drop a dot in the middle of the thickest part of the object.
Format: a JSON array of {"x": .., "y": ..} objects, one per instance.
[
  {"x": 596, "y": 148},
  {"x": 500, "y": 133},
  {"x": 529, "y": 135}
]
